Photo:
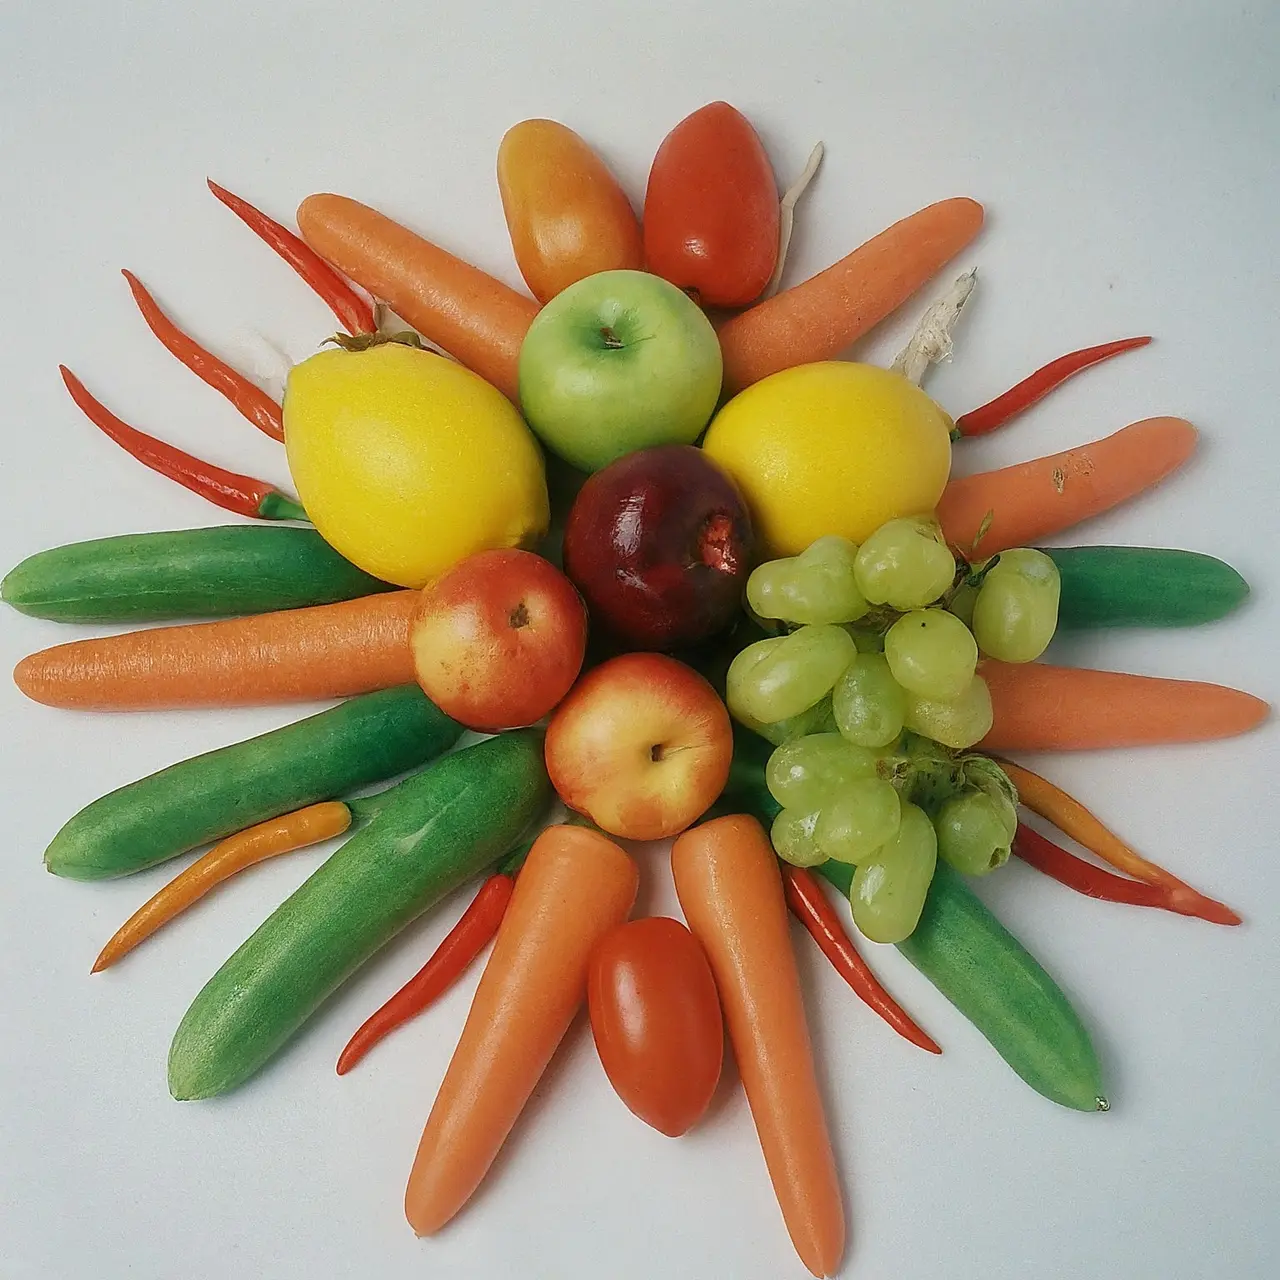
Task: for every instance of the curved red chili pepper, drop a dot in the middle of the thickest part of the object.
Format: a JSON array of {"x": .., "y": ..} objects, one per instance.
[
  {"x": 250, "y": 399},
  {"x": 462, "y": 944},
  {"x": 995, "y": 413},
  {"x": 227, "y": 489},
  {"x": 353, "y": 312},
  {"x": 1076, "y": 873},
  {"x": 810, "y": 906}
]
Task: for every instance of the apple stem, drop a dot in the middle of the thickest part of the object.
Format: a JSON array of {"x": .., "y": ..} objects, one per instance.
[
  {"x": 931, "y": 340},
  {"x": 787, "y": 215}
]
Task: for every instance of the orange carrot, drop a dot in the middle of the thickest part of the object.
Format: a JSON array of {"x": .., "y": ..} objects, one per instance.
[
  {"x": 1072, "y": 818},
  {"x": 1019, "y": 505},
  {"x": 1043, "y": 708},
  {"x": 574, "y": 887},
  {"x": 328, "y": 651},
  {"x": 247, "y": 848},
  {"x": 475, "y": 318},
  {"x": 818, "y": 319},
  {"x": 729, "y": 887}
]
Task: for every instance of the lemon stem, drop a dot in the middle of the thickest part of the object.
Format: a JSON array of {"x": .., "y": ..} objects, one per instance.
[
  {"x": 931, "y": 341},
  {"x": 367, "y": 341}
]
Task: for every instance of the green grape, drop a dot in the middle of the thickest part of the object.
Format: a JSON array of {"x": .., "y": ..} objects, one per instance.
[
  {"x": 806, "y": 773},
  {"x": 740, "y": 674},
  {"x": 973, "y": 835},
  {"x": 792, "y": 837},
  {"x": 817, "y": 586},
  {"x": 868, "y": 703},
  {"x": 924, "y": 752},
  {"x": 818, "y": 719},
  {"x": 905, "y": 564},
  {"x": 859, "y": 820},
  {"x": 989, "y": 777},
  {"x": 1016, "y": 612},
  {"x": 867, "y": 641},
  {"x": 930, "y": 773},
  {"x": 958, "y": 723},
  {"x": 890, "y": 887},
  {"x": 962, "y": 602},
  {"x": 783, "y": 676},
  {"x": 931, "y": 653}
]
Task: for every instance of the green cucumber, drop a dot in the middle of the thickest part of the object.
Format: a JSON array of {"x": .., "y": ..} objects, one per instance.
[
  {"x": 438, "y": 829},
  {"x": 1003, "y": 990},
  {"x": 188, "y": 573},
  {"x": 1143, "y": 587},
  {"x": 968, "y": 955},
  {"x": 746, "y": 790},
  {"x": 363, "y": 740}
]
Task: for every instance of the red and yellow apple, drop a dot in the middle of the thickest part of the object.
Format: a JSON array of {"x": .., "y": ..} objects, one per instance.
[
  {"x": 499, "y": 639},
  {"x": 641, "y": 745}
]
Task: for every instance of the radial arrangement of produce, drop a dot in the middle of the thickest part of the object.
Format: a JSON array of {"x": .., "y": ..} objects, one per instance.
[{"x": 679, "y": 571}]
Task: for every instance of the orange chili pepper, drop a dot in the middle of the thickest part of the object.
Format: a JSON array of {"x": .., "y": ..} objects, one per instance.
[
  {"x": 1084, "y": 877},
  {"x": 229, "y": 490},
  {"x": 447, "y": 963},
  {"x": 1072, "y": 818},
  {"x": 995, "y": 413},
  {"x": 253, "y": 403},
  {"x": 809, "y": 905},
  {"x": 354, "y": 313},
  {"x": 246, "y": 848}
]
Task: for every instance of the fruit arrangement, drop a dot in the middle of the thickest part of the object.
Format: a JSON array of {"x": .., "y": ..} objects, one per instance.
[{"x": 682, "y": 573}]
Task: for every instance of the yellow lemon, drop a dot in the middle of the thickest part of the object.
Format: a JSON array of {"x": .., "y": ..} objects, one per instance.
[
  {"x": 406, "y": 462},
  {"x": 833, "y": 447}
]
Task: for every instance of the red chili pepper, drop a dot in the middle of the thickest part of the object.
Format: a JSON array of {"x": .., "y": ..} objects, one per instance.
[
  {"x": 810, "y": 906},
  {"x": 995, "y": 413},
  {"x": 227, "y": 489},
  {"x": 251, "y": 400},
  {"x": 462, "y": 944},
  {"x": 353, "y": 312},
  {"x": 1082, "y": 876}
]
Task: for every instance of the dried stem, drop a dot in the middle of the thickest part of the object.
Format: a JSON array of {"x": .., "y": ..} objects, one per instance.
[
  {"x": 787, "y": 215},
  {"x": 931, "y": 340}
]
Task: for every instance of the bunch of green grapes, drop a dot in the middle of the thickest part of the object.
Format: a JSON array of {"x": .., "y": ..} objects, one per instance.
[
  {"x": 891, "y": 813},
  {"x": 879, "y": 659}
]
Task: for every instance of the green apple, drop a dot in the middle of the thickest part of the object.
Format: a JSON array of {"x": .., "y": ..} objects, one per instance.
[{"x": 619, "y": 361}]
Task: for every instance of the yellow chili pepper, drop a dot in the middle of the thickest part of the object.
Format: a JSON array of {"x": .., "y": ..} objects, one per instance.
[{"x": 255, "y": 844}]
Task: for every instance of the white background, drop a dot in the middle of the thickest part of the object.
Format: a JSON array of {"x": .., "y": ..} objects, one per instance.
[{"x": 1127, "y": 155}]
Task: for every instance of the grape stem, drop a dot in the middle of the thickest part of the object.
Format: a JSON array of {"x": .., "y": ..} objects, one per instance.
[
  {"x": 931, "y": 341},
  {"x": 787, "y": 215},
  {"x": 967, "y": 575}
]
